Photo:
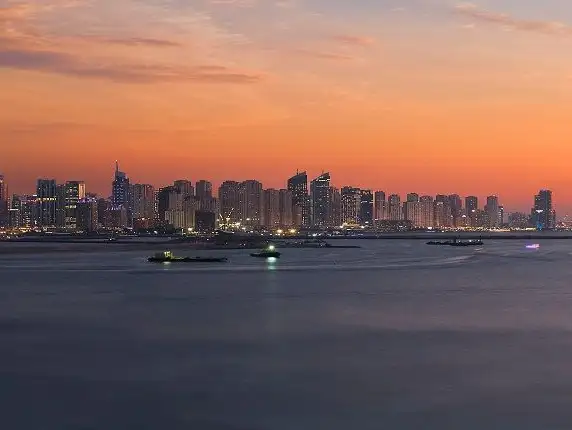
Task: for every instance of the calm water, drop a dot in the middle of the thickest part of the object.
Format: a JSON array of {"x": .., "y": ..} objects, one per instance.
[{"x": 397, "y": 335}]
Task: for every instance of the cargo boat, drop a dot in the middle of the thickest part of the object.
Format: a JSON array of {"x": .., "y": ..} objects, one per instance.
[{"x": 168, "y": 257}]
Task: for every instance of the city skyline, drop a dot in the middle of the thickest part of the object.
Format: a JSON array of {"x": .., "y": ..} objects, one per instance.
[
  {"x": 303, "y": 203},
  {"x": 389, "y": 94},
  {"x": 106, "y": 190}
]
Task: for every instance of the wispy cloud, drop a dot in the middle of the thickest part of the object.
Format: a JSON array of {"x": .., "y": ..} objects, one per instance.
[
  {"x": 61, "y": 63},
  {"x": 472, "y": 11},
  {"x": 348, "y": 39},
  {"x": 24, "y": 46}
]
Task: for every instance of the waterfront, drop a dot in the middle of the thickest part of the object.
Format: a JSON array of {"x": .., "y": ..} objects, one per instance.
[{"x": 395, "y": 335}]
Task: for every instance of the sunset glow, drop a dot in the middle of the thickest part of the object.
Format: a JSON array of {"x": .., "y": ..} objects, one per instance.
[{"x": 430, "y": 96}]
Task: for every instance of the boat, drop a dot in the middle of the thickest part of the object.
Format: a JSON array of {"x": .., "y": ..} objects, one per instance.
[
  {"x": 269, "y": 252},
  {"x": 456, "y": 242},
  {"x": 168, "y": 257}
]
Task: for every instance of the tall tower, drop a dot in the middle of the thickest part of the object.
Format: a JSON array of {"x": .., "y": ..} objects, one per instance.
[
  {"x": 543, "y": 214},
  {"x": 120, "y": 189},
  {"x": 351, "y": 202},
  {"x": 251, "y": 202},
  {"x": 74, "y": 191},
  {"x": 3, "y": 202},
  {"x": 228, "y": 194},
  {"x": 492, "y": 211},
  {"x": 47, "y": 202},
  {"x": 298, "y": 185},
  {"x": 380, "y": 206},
  {"x": 366, "y": 207},
  {"x": 320, "y": 200}
]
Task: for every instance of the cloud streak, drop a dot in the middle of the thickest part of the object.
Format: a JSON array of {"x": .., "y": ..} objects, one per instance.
[
  {"x": 552, "y": 28},
  {"x": 66, "y": 64}
]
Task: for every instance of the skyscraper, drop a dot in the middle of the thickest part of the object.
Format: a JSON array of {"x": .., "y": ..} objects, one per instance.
[
  {"x": 120, "y": 189},
  {"x": 228, "y": 194},
  {"x": 366, "y": 207},
  {"x": 445, "y": 212},
  {"x": 351, "y": 205},
  {"x": 203, "y": 189},
  {"x": 395, "y": 212},
  {"x": 46, "y": 201},
  {"x": 335, "y": 217},
  {"x": 412, "y": 197},
  {"x": 86, "y": 215},
  {"x": 250, "y": 199},
  {"x": 143, "y": 202},
  {"x": 456, "y": 209},
  {"x": 3, "y": 202},
  {"x": 271, "y": 213},
  {"x": 286, "y": 206},
  {"x": 184, "y": 187},
  {"x": 543, "y": 215},
  {"x": 471, "y": 204},
  {"x": 380, "y": 206},
  {"x": 426, "y": 208},
  {"x": 320, "y": 200},
  {"x": 298, "y": 185},
  {"x": 74, "y": 192},
  {"x": 492, "y": 210}
]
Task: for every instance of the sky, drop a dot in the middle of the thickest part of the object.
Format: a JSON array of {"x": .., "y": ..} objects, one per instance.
[{"x": 431, "y": 96}]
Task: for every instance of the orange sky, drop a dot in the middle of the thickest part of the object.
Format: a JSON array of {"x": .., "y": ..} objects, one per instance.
[{"x": 412, "y": 95}]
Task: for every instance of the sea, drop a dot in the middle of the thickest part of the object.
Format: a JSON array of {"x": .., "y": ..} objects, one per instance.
[{"x": 394, "y": 335}]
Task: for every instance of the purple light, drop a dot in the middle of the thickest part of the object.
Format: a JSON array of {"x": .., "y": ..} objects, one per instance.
[{"x": 533, "y": 246}]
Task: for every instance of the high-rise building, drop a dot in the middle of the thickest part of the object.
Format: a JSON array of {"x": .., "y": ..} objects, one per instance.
[
  {"x": 351, "y": 205},
  {"x": 320, "y": 201},
  {"x": 298, "y": 185},
  {"x": 181, "y": 208},
  {"x": 86, "y": 215},
  {"x": 335, "y": 218},
  {"x": 203, "y": 189},
  {"x": 395, "y": 212},
  {"x": 163, "y": 202},
  {"x": 271, "y": 213},
  {"x": 46, "y": 200},
  {"x": 412, "y": 197},
  {"x": 492, "y": 210},
  {"x": 380, "y": 212},
  {"x": 228, "y": 194},
  {"x": 426, "y": 208},
  {"x": 251, "y": 201},
  {"x": 120, "y": 189},
  {"x": 286, "y": 206},
  {"x": 456, "y": 209},
  {"x": 184, "y": 187},
  {"x": 143, "y": 202},
  {"x": 501, "y": 216},
  {"x": 471, "y": 204},
  {"x": 543, "y": 215},
  {"x": 4, "y": 206},
  {"x": 445, "y": 216},
  {"x": 74, "y": 192},
  {"x": 412, "y": 212},
  {"x": 104, "y": 213},
  {"x": 366, "y": 207}
]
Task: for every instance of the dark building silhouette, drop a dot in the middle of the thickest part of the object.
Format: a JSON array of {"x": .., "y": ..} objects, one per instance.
[
  {"x": 4, "y": 206},
  {"x": 86, "y": 215},
  {"x": 366, "y": 207},
  {"x": 205, "y": 222},
  {"x": 46, "y": 192}
]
